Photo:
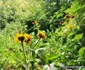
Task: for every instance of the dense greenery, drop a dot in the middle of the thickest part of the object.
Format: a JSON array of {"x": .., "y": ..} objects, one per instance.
[{"x": 57, "y": 28}]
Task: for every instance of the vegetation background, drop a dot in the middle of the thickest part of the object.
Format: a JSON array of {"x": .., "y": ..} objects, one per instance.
[{"x": 63, "y": 23}]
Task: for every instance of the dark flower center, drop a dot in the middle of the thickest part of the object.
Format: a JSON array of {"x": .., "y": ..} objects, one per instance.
[
  {"x": 21, "y": 38},
  {"x": 28, "y": 40},
  {"x": 40, "y": 35}
]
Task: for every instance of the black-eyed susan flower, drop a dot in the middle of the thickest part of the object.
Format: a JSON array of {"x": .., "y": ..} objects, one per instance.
[
  {"x": 72, "y": 17},
  {"x": 41, "y": 35},
  {"x": 35, "y": 23},
  {"x": 28, "y": 38},
  {"x": 19, "y": 37},
  {"x": 67, "y": 20},
  {"x": 61, "y": 22},
  {"x": 25, "y": 38},
  {"x": 67, "y": 16}
]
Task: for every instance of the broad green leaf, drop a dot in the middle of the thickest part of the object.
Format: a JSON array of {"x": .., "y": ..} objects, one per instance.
[
  {"x": 78, "y": 37},
  {"x": 82, "y": 52}
]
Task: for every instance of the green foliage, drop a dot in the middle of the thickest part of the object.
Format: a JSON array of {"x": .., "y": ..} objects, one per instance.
[
  {"x": 65, "y": 36},
  {"x": 81, "y": 52}
]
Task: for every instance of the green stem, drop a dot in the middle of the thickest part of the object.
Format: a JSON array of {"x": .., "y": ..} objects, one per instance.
[
  {"x": 37, "y": 42},
  {"x": 32, "y": 65},
  {"x": 24, "y": 55},
  {"x": 33, "y": 56}
]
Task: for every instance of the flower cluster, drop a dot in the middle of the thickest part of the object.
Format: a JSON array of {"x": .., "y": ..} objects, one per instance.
[
  {"x": 26, "y": 38},
  {"x": 68, "y": 17}
]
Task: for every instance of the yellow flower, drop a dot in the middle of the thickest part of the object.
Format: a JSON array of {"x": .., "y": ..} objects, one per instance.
[
  {"x": 61, "y": 22},
  {"x": 67, "y": 16},
  {"x": 35, "y": 22},
  {"x": 19, "y": 37},
  {"x": 67, "y": 20},
  {"x": 72, "y": 17},
  {"x": 28, "y": 38},
  {"x": 70, "y": 26},
  {"x": 41, "y": 35}
]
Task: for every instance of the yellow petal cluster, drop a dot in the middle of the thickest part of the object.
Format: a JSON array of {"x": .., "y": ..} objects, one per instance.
[{"x": 26, "y": 38}]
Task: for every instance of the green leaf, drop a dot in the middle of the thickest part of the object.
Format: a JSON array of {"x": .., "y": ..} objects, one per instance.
[
  {"x": 74, "y": 7},
  {"x": 82, "y": 52},
  {"x": 70, "y": 34},
  {"x": 81, "y": 68},
  {"x": 78, "y": 37}
]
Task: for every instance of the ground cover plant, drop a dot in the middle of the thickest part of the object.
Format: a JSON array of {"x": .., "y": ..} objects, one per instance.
[{"x": 42, "y": 34}]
